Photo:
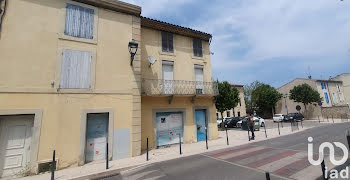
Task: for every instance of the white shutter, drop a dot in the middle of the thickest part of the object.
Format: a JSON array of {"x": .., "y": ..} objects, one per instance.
[
  {"x": 76, "y": 69},
  {"x": 341, "y": 97},
  {"x": 79, "y": 21},
  {"x": 198, "y": 71},
  {"x": 168, "y": 77}
]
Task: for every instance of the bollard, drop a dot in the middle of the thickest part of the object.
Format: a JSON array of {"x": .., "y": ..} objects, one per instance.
[
  {"x": 291, "y": 125},
  {"x": 107, "y": 156},
  {"x": 282, "y": 123},
  {"x": 180, "y": 143},
  {"x": 348, "y": 139},
  {"x": 297, "y": 124},
  {"x": 53, "y": 165},
  {"x": 226, "y": 135},
  {"x": 301, "y": 122},
  {"x": 267, "y": 175},
  {"x": 279, "y": 132},
  {"x": 248, "y": 135},
  {"x": 332, "y": 118},
  {"x": 327, "y": 119},
  {"x": 206, "y": 137},
  {"x": 265, "y": 130},
  {"x": 147, "y": 150},
  {"x": 323, "y": 167},
  {"x": 319, "y": 119}
]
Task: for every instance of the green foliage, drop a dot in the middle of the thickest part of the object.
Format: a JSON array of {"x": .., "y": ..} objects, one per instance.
[
  {"x": 304, "y": 94},
  {"x": 265, "y": 97},
  {"x": 248, "y": 90},
  {"x": 228, "y": 97}
]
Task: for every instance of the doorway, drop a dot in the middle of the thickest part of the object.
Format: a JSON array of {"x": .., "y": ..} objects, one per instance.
[
  {"x": 200, "y": 116},
  {"x": 96, "y": 136},
  {"x": 15, "y": 143}
]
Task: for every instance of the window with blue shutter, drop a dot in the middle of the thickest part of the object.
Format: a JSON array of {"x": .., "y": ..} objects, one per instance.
[
  {"x": 322, "y": 85},
  {"x": 76, "y": 69},
  {"x": 326, "y": 96},
  {"x": 79, "y": 22}
]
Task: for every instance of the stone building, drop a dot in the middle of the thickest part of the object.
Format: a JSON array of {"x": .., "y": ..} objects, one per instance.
[{"x": 240, "y": 109}]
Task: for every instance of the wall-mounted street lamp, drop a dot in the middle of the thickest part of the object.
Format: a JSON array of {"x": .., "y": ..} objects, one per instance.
[{"x": 133, "y": 46}]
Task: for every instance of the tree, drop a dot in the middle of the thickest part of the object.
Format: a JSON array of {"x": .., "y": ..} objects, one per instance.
[
  {"x": 248, "y": 90},
  {"x": 227, "y": 99},
  {"x": 305, "y": 94},
  {"x": 265, "y": 97}
]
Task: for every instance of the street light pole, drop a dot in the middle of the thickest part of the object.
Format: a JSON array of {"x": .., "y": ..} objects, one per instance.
[{"x": 285, "y": 102}]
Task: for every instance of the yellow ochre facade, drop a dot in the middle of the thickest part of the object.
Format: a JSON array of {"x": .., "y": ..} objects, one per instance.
[{"x": 67, "y": 83}]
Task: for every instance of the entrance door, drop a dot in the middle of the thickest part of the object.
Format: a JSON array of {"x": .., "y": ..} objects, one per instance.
[
  {"x": 168, "y": 77},
  {"x": 96, "y": 137},
  {"x": 169, "y": 126},
  {"x": 201, "y": 124},
  {"x": 15, "y": 140}
]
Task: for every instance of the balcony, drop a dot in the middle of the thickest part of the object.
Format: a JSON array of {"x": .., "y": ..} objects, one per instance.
[{"x": 160, "y": 87}]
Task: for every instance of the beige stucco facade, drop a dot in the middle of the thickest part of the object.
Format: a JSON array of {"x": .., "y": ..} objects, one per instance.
[
  {"x": 182, "y": 97},
  {"x": 239, "y": 110},
  {"x": 31, "y": 45},
  {"x": 345, "y": 78}
]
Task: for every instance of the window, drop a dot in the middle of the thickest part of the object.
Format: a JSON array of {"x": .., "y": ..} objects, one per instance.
[
  {"x": 240, "y": 103},
  {"x": 239, "y": 114},
  {"x": 325, "y": 85},
  {"x": 217, "y": 115},
  {"x": 168, "y": 77},
  {"x": 326, "y": 97},
  {"x": 79, "y": 21},
  {"x": 322, "y": 85},
  {"x": 199, "y": 78},
  {"x": 338, "y": 87},
  {"x": 197, "y": 47},
  {"x": 228, "y": 114},
  {"x": 76, "y": 69},
  {"x": 167, "y": 42},
  {"x": 335, "y": 99},
  {"x": 341, "y": 97}
]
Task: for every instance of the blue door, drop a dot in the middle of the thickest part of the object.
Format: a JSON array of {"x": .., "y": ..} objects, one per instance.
[{"x": 201, "y": 125}]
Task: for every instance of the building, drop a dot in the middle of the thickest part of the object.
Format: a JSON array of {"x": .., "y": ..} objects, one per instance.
[
  {"x": 71, "y": 81},
  {"x": 345, "y": 78},
  {"x": 177, "y": 88},
  {"x": 332, "y": 94},
  {"x": 240, "y": 109}
]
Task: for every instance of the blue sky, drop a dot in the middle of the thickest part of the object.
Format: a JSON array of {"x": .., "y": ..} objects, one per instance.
[{"x": 269, "y": 41}]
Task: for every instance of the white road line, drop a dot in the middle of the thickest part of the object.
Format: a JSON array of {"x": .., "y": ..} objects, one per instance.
[{"x": 273, "y": 166}]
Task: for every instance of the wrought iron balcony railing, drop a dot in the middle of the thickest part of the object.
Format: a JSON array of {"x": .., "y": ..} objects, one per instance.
[{"x": 178, "y": 87}]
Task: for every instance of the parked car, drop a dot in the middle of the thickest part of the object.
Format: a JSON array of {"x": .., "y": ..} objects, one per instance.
[
  {"x": 218, "y": 121},
  {"x": 244, "y": 124},
  {"x": 261, "y": 120},
  {"x": 278, "y": 117},
  {"x": 294, "y": 117},
  {"x": 233, "y": 122}
]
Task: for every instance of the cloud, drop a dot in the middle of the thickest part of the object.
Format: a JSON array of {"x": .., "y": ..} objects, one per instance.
[{"x": 265, "y": 34}]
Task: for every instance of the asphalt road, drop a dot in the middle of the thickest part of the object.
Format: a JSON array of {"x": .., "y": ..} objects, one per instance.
[{"x": 285, "y": 157}]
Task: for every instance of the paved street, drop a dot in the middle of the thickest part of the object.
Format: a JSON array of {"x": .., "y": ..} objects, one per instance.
[{"x": 284, "y": 157}]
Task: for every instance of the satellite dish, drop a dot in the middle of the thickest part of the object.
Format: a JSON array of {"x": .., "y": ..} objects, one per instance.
[{"x": 151, "y": 60}]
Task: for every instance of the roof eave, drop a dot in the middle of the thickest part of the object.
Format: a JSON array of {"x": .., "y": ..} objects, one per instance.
[{"x": 114, "y": 5}]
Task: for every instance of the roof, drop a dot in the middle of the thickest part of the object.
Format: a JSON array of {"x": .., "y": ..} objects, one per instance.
[
  {"x": 114, "y": 5},
  {"x": 164, "y": 26},
  {"x": 316, "y": 80}
]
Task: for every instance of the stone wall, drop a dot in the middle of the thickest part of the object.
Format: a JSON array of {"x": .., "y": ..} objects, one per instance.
[{"x": 336, "y": 112}]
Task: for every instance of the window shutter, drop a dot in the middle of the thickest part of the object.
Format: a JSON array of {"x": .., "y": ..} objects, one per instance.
[
  {"x": 164, "y": 41},
  {"x": 170, "y": 42},
  {"x": 200, "y": 53},
  {"x": 79, "y": 21},
  {"x": 76, "y": 69},
  {"x": 194, "y": 47}
]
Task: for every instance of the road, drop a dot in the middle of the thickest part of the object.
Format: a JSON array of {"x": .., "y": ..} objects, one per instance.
[{"x": 284, "y": 157}]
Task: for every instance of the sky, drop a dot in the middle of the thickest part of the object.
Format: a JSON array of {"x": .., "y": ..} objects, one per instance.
[{"x": 270, "y": 41}]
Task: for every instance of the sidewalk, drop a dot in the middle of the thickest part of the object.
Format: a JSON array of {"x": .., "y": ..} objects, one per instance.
[{"x": 236, "y": 137}]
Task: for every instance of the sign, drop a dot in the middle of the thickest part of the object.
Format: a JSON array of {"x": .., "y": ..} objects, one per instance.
[
  {"x": 169, "y": 126},
  {"x": 298, "y": 108}
]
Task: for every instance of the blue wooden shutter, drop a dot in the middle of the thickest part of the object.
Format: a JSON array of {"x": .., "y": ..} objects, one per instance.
[
  {"x": 76, "y": 69},
  {"x": 326, "y": 96},
  {"x": 79, "y": 21}
]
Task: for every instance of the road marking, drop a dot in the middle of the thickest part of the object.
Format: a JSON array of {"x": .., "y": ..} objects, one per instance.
[
  {"x": 293, "y": 168},
  {"x": 227, "y": 156},
  {"x": 233, "y": 151},
  {"x": 273, "y": 166},
  {"x": 242, "y": 166},
  {"x": 250, "y": 154},
  {"x": 272, "y": 158}
]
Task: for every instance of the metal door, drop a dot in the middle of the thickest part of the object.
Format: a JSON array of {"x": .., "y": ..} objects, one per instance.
[
  {"x": 96, "y": 137},
  {"x": 201, "y": 124},
  {"x": 15, "y": 140}
]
